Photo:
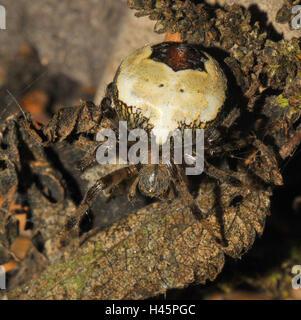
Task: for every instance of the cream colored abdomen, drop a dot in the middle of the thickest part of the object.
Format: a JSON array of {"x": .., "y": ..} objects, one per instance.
[{"x": 168, "y": 98}]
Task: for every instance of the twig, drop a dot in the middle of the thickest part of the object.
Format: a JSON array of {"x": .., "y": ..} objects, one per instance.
[{"x": 173, "y": 37}]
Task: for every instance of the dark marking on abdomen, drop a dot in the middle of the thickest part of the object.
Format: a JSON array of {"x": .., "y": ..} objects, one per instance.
[{"x": 179, "y": 56}]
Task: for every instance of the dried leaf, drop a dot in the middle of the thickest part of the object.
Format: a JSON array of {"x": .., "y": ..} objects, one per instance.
[{"x": 160, "y": 247}]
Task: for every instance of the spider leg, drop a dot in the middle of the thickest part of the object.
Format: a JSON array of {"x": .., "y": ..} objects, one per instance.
[
  {"x": 171, "y": 193},
  {"x": 228, "y": 147},
  {"x": 221, "y": 175},
  {"x": 88, "y": 161},
  {"x": 133, "y": 189},
  {"x": 104, "y": 184},
  {"x": 179, "y": 179}
]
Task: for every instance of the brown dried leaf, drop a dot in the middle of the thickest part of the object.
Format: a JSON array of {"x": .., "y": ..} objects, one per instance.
[{"x": 160, "y": 247}]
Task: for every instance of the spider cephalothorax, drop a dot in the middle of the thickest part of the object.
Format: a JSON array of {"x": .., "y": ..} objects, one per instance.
[{"x": 154, "y": 180}]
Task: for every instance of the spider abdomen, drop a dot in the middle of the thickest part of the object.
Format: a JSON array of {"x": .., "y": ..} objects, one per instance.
[{"x": 166, "y": 86}]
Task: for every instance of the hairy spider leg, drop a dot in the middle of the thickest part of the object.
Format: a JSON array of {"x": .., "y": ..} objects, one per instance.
[
  {"x": 179, "y": 178},
  {"x": 105, "y": 183}
]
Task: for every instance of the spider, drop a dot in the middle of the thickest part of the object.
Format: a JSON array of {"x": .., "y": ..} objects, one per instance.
[{"x": 161, "y": 88}]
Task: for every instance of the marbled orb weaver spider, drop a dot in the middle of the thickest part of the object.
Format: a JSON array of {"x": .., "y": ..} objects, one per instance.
[{"x": 171, "y": 85}]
